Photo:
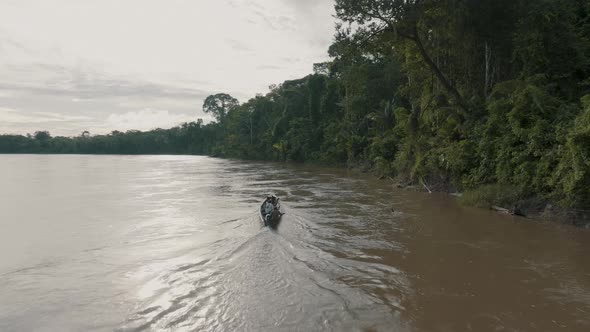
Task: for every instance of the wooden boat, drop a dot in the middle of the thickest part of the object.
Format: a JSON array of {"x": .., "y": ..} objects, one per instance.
[{"x": 274, "y": 218}]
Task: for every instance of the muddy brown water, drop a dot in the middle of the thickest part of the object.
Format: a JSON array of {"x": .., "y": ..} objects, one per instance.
[{"x": 174, "y": 243}]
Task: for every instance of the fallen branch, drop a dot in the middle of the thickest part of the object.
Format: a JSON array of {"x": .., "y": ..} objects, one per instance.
[
  {"x": 425, "y": 186},
  {"x": 515, "y": 211},
  {"x": 500, "y": 209}
]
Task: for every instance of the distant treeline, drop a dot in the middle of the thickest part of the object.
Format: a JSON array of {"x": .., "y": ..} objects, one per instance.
[
  {"x": 189, "y": 138},
  {"x": 460, "y": 94}
]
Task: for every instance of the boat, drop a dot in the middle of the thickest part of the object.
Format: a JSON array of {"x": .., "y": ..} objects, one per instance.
[{"x": 272, "y": 220}]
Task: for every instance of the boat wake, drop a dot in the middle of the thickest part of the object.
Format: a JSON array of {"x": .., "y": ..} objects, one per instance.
[{"x": 256, "y": 279}]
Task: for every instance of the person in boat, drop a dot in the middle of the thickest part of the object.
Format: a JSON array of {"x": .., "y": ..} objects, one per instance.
[{"x": 268, "y": 207}]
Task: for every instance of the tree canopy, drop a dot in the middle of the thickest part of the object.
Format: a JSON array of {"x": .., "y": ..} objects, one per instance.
[
  {"x": 219, "y": 105},
  {"x": 461, "y": 94}
]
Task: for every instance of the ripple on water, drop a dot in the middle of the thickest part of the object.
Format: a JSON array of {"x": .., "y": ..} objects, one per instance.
[
  {"x": 268, "y": 280},
  {"x": 173, "y": 243}
]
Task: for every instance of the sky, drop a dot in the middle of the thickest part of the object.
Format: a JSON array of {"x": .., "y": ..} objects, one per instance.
[{"x": 67, "y": 66}]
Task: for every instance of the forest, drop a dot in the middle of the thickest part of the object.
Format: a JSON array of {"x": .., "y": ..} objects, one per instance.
[{"x": 486, "y": 97}]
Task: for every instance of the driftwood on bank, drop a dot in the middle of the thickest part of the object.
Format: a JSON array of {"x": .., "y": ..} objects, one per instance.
[
  {"x": 409, "y": 185},
  {"x": 514, "y": 211},
  {"x": 425, "y": 186},
  {"x": 500, "y": 209}
]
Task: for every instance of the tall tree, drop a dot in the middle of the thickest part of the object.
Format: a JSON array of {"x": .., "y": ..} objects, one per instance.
[
  {"x": 406, "y": 19},
  {"x": 219, "y": 105}
]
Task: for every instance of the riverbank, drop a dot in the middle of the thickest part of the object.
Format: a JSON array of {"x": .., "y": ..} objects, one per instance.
[{"x": 505, "y": 199}]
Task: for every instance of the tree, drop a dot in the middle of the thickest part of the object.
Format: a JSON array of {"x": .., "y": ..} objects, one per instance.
[
  {"x": 406, "y": 19},
  {"x": 219, "y": 105},
  {"x": 42, "y": 136}
]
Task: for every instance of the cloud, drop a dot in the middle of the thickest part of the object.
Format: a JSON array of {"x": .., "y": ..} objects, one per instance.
[
  {"x": 166, "y": 57},
  {"x": 6, "y": 93},
  {"x": 308, "y": 6},
  {"x": 238, "y": 45},
  {"x": 282, "y": 22},
  {"x": 146, "y": 119},
  {"x": 268, "y": 67},
  {"x": 17, "y": 121},
  {"x": 13, "y": 116},
  {"x": 85, "y": 84}
]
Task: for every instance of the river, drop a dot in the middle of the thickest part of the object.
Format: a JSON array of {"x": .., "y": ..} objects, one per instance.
[{"x": 174, "y": 243}]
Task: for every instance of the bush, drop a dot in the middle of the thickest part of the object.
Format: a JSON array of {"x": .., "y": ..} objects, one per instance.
[{"x": 492, "y": 194}]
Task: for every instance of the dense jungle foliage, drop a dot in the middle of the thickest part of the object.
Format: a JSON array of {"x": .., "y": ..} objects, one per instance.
[{"x": 459, "y": 94}]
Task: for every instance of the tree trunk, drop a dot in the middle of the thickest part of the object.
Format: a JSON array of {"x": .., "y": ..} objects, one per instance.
[
  {"x": 251, "y": 136},
  {"x": 488, "y": 78},
  {"x": 439, "y": 75}
]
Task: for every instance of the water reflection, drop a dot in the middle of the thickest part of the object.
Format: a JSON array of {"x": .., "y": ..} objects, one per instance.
[{"x": 175, "y": 243}]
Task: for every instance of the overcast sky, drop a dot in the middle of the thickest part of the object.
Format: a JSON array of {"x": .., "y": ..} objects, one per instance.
[{"x": 100, "y": 65}]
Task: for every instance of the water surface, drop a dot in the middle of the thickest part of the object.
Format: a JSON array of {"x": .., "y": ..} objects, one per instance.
[{"x": 174, "y": 243}]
